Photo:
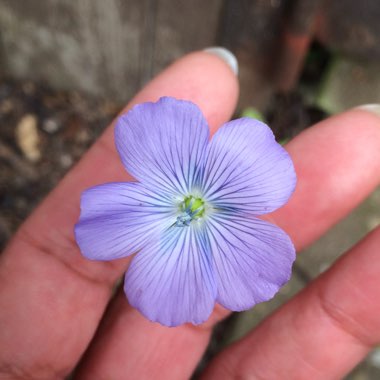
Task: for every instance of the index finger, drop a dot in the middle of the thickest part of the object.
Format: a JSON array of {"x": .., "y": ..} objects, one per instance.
[{"x": 51, "y": 298}]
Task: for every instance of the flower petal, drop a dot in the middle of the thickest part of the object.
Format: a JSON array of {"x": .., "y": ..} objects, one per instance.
[
  {"x": 252, "y": 260},
  {"x": 117, "y": 219},
  {"x": 247, "y": 170},
  {"x": 171, "y": 282},
  {"x": 163, "y": 143}
]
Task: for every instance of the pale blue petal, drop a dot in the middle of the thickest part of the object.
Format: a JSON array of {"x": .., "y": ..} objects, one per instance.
[
  {"x": 162, "y": 144},
  {"x": 171, "y": 281},
  {"x": 117, "y": 219},
  {"x": 252, "y": 260},
  {"x": 247, "y": 170}
]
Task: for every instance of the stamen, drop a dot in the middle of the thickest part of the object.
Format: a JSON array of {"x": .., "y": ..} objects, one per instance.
[{"x": 191, "y": 209}]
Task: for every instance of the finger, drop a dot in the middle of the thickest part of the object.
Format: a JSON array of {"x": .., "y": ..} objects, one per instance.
[
  {"x": 51, "y": 299},
  {"x": 322, "y": 333},
  {"x": 338, "y": 165},
  {"x": 336, "y": 172}
]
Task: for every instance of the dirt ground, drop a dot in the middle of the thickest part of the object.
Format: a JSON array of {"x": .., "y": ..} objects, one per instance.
[{"x": 42, "y": 134}]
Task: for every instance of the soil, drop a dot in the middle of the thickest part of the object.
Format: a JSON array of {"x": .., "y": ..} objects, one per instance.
[{"x": 56, "y": 129}]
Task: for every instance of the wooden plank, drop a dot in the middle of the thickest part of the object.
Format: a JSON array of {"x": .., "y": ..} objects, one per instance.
[
  {"x": 106, "y": 48},
  {"x": 90, "y": 45},
  {"x": 183, "y": 26},
  {"x": 252, "y": 30}
]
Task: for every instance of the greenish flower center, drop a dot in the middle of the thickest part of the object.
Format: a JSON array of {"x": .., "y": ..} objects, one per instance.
[{"x": 191, "y": 208}]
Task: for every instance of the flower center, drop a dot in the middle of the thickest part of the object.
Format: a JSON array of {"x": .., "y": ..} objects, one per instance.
[{"x": 191, "y": 208}]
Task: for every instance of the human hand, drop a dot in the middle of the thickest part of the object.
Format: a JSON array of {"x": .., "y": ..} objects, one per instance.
[{"x": 52, "y": 299}]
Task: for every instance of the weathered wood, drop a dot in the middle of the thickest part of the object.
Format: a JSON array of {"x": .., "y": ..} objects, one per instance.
[
  {"x": 111, "y": 48},
  {"x": 184, "y": 26},
  {"x": 91, "y": 45},
  {"x": 351, "y": 27},
  {"x": 298, "y": 31},
  {"x": 252, "y": 29},
  {"x": 104, "y": 47}
]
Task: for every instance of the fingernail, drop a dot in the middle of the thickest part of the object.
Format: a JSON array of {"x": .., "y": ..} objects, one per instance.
[
  {"x": 226, "y": 56},
  {"x": 373, "y": 108}
]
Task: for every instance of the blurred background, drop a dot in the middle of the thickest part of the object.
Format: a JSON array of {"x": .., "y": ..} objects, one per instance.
[{"x": 67, "y": 68}]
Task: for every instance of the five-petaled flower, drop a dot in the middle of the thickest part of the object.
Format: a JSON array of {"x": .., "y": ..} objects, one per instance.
[{"x": 192, "y": 215}]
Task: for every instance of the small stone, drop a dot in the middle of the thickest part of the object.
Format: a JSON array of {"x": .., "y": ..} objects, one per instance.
[
  {"x": 27, "y": 137},
  {"x": 29, "y": 88},
  {"x": 83, "y": 136},
  {"x": 6, "y": 106},
  {"x": 66, "y": 161},
  {"x": 50, "y": 126}
]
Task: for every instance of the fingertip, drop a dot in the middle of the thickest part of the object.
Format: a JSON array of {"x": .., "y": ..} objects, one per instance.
[
  {"x": 226, "y": 55},
  {"x": 338, "y": 164},
  {"x": 373, "y": 109},
  {"x": 368, "y": 117},
  {"x": 201, "y": 77}
]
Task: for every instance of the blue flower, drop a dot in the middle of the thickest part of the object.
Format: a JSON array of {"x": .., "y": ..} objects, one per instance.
[{"x": 192, "y": 215}]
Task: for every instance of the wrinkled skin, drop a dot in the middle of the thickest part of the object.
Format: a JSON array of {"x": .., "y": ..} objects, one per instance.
[{"x": 52, "y": 300}]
